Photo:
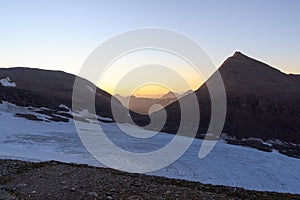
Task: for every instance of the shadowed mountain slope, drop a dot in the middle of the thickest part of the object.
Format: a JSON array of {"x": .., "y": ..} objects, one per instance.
[
  {"x": 52, "y": 89},
  {"x": 262, "y": 102}
]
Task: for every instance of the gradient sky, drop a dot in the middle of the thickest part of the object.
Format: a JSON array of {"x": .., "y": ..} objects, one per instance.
[{"x": 60, "y": 34}]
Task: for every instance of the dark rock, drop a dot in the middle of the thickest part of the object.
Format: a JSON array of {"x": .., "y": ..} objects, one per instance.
[
  {"x": 262, "y": 102},
  {"x": 28, "y": 116}
]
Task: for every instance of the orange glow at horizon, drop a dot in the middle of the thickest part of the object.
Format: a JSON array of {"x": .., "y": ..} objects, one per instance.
[
  {"x": 150, "y": 73},
  {"x": 151, "y": 91}
]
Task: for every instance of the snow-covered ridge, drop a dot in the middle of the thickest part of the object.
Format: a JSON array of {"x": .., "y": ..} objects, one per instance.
[{"x": 6, "y": 82}]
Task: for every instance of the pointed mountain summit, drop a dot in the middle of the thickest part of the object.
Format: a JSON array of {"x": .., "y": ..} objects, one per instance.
[
  {"x": 247, "y": 78},
  {"x": 169, "y": 95},
  {"x": 262, "y": 102},
  {"x": 242, "y": 69}
]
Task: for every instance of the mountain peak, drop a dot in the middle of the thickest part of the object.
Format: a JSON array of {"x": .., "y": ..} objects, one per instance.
[
  {"x": 243, "y": 65},
  {"x": 237, "y": 56},
  {"x": 237, "y": 53}
]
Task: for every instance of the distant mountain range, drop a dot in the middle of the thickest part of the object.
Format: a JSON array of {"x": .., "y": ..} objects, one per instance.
[
  {"x": 262, "y": 102},
  {"x": 142, "y": 105}
]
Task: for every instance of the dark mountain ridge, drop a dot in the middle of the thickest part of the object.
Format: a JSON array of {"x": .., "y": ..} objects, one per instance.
[
  {"x": 51, "y": 89},
  {"x": 262, "y": 102}
]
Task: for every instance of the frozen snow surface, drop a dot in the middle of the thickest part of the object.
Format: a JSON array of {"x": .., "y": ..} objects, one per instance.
[
  {"x": 6, "y": 82},
  {"x": 226, "y": 165}
]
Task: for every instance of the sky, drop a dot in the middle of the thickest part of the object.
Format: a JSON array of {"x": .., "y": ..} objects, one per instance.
[{"x": 61, "y": 34}]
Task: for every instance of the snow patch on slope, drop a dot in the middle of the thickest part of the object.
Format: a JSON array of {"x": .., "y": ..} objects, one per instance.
[
  {"x": 64, "y": 107},
  {"x": 6, "y": 82}
]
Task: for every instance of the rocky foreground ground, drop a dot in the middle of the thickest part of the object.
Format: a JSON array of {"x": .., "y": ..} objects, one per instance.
[{"x": 55, "y": 180}]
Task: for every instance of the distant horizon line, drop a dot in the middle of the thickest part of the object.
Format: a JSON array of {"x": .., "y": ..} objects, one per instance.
[{"x": 154, "y": 96}]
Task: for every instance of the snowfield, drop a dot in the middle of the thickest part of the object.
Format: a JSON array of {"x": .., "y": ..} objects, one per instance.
[{"x": 226, "y": 165}]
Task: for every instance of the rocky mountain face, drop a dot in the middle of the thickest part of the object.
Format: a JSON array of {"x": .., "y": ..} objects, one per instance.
[
  {"x": 51, "y": 91},
  {"x": 262, "y": 102}
]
